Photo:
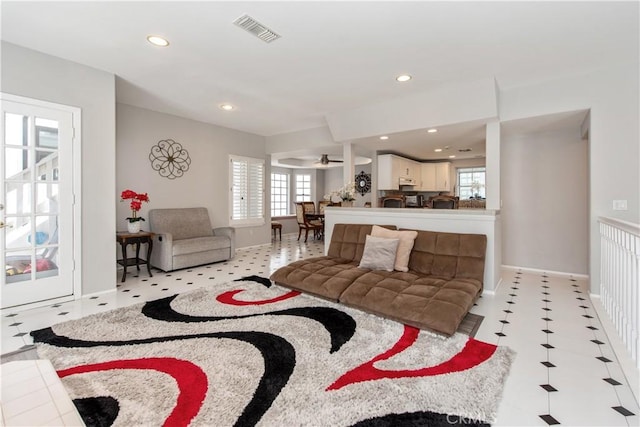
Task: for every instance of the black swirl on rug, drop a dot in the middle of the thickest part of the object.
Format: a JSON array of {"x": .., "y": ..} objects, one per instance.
[
  {"x": 278, "y": 354},
  {"x": 419, "y": 419},
  {"x": 339, "y": 324},
  {"x": 258, "y": 279},
  {"x": 99, "y": 411}
]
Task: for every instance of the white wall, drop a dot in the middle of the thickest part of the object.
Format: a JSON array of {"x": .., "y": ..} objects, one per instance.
[
  {"x": 612, "y": 95},
  {"x": 35, "y": 75},
  {"x": 545, "y": 201},
  {"x": 206, "y": 183}
]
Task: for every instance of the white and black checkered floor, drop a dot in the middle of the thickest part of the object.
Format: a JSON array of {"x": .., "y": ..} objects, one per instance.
[{"x": 565, "y": 370}]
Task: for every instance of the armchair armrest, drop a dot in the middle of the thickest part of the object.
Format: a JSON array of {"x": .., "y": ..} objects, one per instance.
[
  {"x": 229, "y": 232},
  {"x": 162, "y": 256}
]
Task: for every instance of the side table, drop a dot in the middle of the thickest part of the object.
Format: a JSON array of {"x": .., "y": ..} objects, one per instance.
[{"x": 125, "y": 238}]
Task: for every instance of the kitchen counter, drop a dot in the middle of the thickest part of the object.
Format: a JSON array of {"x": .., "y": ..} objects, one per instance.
[
  {"x": 472, "y": 203},
  {"x": 475, "y": 221}
]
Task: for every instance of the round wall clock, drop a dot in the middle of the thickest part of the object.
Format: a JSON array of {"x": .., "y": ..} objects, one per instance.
[{"x": 363, "y": 183}]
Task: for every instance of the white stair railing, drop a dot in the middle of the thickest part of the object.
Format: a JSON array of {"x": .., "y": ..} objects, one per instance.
[{"x": 620, "y": 279}]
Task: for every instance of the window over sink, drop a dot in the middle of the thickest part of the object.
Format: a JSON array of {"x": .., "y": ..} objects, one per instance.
[{"x": 471, "y": 182}]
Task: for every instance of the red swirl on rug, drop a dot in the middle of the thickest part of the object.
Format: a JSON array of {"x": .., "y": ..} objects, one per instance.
[
  {"x": 229, "y": 298},
  {"x": 473, "y": 353},
  {"x": 192, "y": 382}
]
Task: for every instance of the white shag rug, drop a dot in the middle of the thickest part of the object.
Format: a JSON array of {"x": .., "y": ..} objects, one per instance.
[{"x": 247, "y": 353}]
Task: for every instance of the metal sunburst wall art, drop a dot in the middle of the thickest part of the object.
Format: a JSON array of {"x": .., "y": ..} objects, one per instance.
[
  {"x": 169, "y": 159},
  {"x": 363, "y": 183}
]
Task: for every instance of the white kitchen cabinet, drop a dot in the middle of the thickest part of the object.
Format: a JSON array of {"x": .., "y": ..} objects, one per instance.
[
  {"x": 428, "y": 177},
  {"x": 435, "y": 176},
  {"x": 413, "y": 170},
  {"x": 443, "y": 176},
  {"x": 385, "y": 173},
  {"x": 391, "y": 168}
]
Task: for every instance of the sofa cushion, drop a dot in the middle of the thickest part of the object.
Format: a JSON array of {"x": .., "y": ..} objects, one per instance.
[
  {"x": 182, "y": 223},
  {"x": 200, "y": 244},
  {"x": 449, "y": 255},
  {"x": 414, "y": 299},
  {"x": 407, "y": 239},
  {"x": 379, "y": 253},
  {"x": 347, "y": 240},
  {"x": 325, "y": 276}
]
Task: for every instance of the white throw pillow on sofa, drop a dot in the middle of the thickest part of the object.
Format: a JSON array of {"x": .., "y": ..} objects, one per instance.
[
  {"x": 379, "y": 253},
  {"x": 405, "y": 245}
]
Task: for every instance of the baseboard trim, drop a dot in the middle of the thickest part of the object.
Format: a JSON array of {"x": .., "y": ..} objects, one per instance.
[
  {"x": 38, "y": 304},
  {"x": 493, "y": 291},
  {"x": 550, "y": 272},
  {"x": 95, "y": 294}
]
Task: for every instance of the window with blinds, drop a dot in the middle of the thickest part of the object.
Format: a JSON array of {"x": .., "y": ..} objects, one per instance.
[{"x": 246, "y": 176}]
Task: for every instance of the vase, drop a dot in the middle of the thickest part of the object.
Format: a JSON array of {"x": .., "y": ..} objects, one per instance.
[
  {"x": 133, "y": 227},
  {"x": 347, "y": 204}
]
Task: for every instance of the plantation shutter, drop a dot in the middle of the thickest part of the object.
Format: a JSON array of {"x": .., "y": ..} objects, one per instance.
[
  {"x": 256, "y": 190},
  {"x": 247, "y": 191}
]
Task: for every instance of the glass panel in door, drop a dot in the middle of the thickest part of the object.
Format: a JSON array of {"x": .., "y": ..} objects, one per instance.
[{"x": 36, "y": 206}]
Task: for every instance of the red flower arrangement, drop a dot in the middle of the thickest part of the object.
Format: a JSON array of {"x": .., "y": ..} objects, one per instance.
[{"x": 136, "y": 203}]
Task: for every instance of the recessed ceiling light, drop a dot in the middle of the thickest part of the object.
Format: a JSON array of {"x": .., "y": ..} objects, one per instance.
[
  {"x": 158, "y": 41},
  {"x": 403, "y": 78},
  {"x": 437, "y": 150},
  {"x": 432, "y": 130},
  {"x": 227, "y": 107},
  {"x": 384, "y": 137},
  {"x": 453, "y": 156}
]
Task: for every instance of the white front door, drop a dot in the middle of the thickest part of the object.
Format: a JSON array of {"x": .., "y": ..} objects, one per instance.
[{"x": 36, "y": 201}]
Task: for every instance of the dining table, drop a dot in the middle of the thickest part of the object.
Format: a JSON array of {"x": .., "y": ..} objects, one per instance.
[{"x": 312, "y": 216}]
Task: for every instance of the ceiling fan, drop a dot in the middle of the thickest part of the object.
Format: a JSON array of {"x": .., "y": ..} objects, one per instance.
[{"x": 324, "y": 160}]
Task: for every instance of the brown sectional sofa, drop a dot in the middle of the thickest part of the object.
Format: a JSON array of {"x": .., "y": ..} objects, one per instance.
[{"x": 444, "y": 278}]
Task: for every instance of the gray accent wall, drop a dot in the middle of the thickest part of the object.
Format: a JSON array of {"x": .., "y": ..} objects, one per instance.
[
  {"x": 31, "y": 74},
  {"x": 206, "y": 183},
  {"x": 334, "y": 179},
  {"x": 611, "y": 95},
  {"x": 545, "y": 195}
]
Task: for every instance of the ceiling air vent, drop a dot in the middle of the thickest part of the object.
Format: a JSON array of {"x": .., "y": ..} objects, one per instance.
[
  {"x": 464, "y": 150},
  {"x": 257, "y": 29}
]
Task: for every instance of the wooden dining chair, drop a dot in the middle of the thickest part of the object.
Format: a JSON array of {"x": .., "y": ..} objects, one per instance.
[
  {"x": 304, "y": 223},
  {"x": 444, "y": 202}
]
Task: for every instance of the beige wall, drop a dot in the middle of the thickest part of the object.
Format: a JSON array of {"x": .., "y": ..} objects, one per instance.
[
  {"x": 32, "y": 74},
  {"x": 206, "y": 183}
]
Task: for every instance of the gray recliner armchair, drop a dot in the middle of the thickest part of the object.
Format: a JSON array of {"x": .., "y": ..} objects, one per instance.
[{"x": 184, "y": 238}]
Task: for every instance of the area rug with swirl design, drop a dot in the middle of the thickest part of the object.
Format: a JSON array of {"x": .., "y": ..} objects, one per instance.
[{"x": 248, "y": 353}]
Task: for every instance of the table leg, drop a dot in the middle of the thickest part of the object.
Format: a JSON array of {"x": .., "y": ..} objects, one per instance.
[
  {"x": 138, "y": 255},
  {"x": 149, "y": 249},
  {"x": 123, "y": 244}
]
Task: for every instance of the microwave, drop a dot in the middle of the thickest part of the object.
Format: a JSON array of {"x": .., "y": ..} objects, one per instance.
[{"x": 414, "y": 201}]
